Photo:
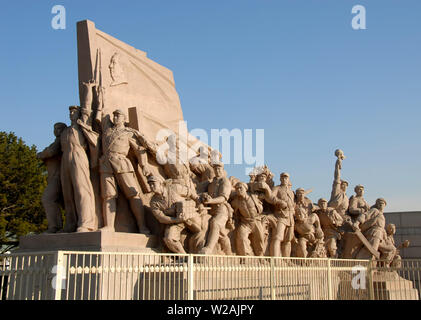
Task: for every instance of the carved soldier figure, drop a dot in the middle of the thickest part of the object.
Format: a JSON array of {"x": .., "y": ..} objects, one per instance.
[
  {"x": 330, "y": 221},
  {"x": 217, "y": 197},
  {"x": 258, "y": 176},
  {"x": 302, "y": 202},
  {"x": 52, "y": 193},
  {"x": 387, "y": 246},
  {"x": 308, "y": 230},
  {"x": 338, "y": 199},
  {"x": 174, "y": 167},
  {"x": 358, "y": 207},
  {"x": 77, "y": 188},
  {"x": 282, "y": 220},
  {"x": 169, "y": 207},
  {"x": 202, "y": 169},
  {"x": 249, "y": 209},
  {"x": 117, "y": 170},
  {"x": 389, "y": 253},
  {"x": 373, "y": 227}
]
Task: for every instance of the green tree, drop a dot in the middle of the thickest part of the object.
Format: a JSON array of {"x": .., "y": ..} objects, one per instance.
[{"x": 22, "y": 181}]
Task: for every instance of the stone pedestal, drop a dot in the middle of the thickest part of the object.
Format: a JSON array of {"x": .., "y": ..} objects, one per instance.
[
  {"x": 390, "y": 286},
  {"x": 98, "y": 241}
]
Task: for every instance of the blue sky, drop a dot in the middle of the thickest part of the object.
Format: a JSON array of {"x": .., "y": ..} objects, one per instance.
[{"x": 296, "y": 69}]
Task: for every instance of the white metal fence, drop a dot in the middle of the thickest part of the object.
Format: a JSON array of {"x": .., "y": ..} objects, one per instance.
[{"x": 66, "y": 275}]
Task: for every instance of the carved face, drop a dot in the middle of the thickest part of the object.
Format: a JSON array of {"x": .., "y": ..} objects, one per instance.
[
  {"x": 323, "y": 205},
  {"x": 58, "y": 130},
  {"x": 285, "y": 180},
  {"x": 391, "y": 229},
  {"x": 359, "y": 191},
  {"x": 344, "y": 185},
  {"x": 119, "y": 119},
  {"x": 219, "y": 171},
  {"x": 241, "y": 190},
  {"x": 261, "y": 178},
  {"x": 156, "y": 187},
  {"x": 300, "y": 195},
  {"x": 381, "y": 205},
  {"x": 74, "y": 114}
]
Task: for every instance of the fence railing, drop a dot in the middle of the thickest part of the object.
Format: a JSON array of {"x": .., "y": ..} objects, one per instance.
[{"x": 66, "y": 275}]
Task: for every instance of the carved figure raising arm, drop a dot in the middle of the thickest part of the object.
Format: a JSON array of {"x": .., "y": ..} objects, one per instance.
[{"x": 338, "y": 199}]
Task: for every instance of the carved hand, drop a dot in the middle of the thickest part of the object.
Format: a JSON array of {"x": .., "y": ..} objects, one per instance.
[{"x": 91, "y": 83}]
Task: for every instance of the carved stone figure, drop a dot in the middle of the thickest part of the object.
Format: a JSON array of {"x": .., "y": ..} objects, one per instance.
[
  {"x": 302, "y": 202},
  {"x": 338, "y": 199},
  {"x": 203, "y": 171},
  {"x": 358, "y": 207},
  {"x": 171, "y": 207},
  {"x": 52, "y": 195},
  {"x": 116, "y": 71},
  {"x": 258, "y": 176},
  {"x": 330, "y": 221},
  {"x": 373, "y": 227},
  {"x": 117, "y": 170},
  {"x": 248, "y": 208},
  {"x": 282, "y": 220},
  {"x": 219, "y": 191},
  {"x": 174, "y": 167},
  {"x": 77, "y": 188},
  {"x": 357, "y": 211},
  {"x": 308, "y": 231}
]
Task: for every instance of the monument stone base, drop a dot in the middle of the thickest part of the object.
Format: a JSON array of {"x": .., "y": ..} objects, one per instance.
[
  {"x": 99, "y": 241},
  {"x": 390, "y": 286}
]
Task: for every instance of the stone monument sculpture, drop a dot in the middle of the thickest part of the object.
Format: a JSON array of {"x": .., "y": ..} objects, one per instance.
[
  {"x": 77, "y": 187},
  {"x": 118, "y": 185},
  {"x": 52, "y": 195},
  {"x": 282, "y": 219},
  {"x": 117, "y": 170},
  {"x": 330, "y": 221},
  {"x": 248, "y": 208},
  {"x": 172, "y": 208},
  {"x": 373, "y": 227},
  {"x": 219, "y": 191},
  {"x": 338, "y": 199}
]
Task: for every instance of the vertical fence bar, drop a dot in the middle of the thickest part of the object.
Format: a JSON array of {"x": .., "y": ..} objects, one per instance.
[
  {"x": 272, "y": 278},
  {"x": 59, "y": 275},
  {"x": 190, "y": 276},
  {"x": 329, "y": 281},
  {"x": 370, "y": 270}
]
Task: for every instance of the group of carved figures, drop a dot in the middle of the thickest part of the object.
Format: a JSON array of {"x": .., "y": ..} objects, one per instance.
[{"x": 199, "y": 209}]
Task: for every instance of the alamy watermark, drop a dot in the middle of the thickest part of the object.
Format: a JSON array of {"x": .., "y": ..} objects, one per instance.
[
  {"x": 194, "y": 146},
  {"x": 359, "y": 20},
  {"x": 60, "y": 275},
  {"x": 359, "y": 278},
  {"x": 59, "y": 20}
]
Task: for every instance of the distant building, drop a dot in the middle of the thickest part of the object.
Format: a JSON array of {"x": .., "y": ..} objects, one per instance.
[{"x": 408, "y": 227}]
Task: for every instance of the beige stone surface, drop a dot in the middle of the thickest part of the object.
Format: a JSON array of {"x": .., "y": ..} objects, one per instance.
[
  {"x": 89, "y": 241},
  {"x": 141, "y": 83}
]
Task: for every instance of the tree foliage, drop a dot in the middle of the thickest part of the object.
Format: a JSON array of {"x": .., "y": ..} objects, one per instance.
[{"x": 22, "y": 181}]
